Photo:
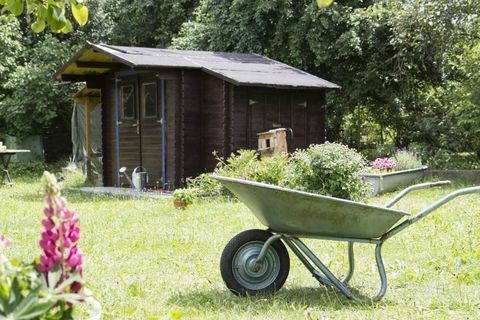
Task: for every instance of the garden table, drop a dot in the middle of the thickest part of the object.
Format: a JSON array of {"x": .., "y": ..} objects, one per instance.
[{"x": 6, "y": 155}]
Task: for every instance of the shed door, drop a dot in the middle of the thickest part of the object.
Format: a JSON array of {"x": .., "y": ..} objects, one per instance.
[
  {"x": 151, "y": 129},
  {"x": 128, "y": 127}
]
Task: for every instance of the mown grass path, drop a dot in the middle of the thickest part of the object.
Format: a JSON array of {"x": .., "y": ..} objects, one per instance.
[{"x": 146, "y": 260}]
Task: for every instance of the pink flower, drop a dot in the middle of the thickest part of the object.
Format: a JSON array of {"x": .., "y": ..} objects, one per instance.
[
  {"x": 75, "y": 257},
  {"x": 50, "y": 235},
  {"x": 76, "y": 286},
  {"x": 383, "y": 164},
  {"x": 74, "y": 234},
  {"x": 48, "y": 212},
  {"x": 65, "y": 226},
  {"x": 66, "y": 242},
  {"x": 47, "y": 246},
  {"x": 58, "y": 240},
  {"x": 49, "y": 201},
  {"x": 4, "y": 241},
  {"x": 48, "y": 223},
  {"x": 75, "y": 219}
]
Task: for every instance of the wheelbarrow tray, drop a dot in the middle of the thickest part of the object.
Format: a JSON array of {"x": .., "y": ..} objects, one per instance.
[{"x": 304, "y": 214}]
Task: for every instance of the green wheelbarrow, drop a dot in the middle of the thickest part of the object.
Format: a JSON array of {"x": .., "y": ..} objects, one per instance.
[{"x": 257, "y": 261}]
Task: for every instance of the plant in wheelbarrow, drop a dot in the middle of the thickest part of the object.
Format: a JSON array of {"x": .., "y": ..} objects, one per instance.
[
  {"x": 330, "y": 169},
  {"x": 51, "y": 287}
]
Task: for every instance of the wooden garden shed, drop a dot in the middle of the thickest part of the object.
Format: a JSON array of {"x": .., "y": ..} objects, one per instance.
[{"x": 168, "y": 110}]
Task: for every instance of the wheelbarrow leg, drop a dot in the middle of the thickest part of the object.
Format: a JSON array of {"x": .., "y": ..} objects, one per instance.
[
  {"x": 317, "y": 275},
  {"x": 328, "y": 274},
  {"x": 381, "y": 272},
  {"x": 351, "y": 263},
  {"x": 303, "y": 252}
]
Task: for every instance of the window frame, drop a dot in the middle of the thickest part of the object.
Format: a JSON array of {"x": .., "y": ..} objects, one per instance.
[
  {"x": 144, "y": 113},
  {"x": 122, "y": 102}
]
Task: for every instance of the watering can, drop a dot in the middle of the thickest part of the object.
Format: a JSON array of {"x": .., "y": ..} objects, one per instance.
[{"x": 140, "y": 178}]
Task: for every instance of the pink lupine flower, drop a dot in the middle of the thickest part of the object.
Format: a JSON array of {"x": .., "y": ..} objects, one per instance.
[
  {"x": 48, "y": 223},
  {"x": 58, "y": 240},
  {"x": 47, "y": 245},
  {"x": 50, "y": 235},
  {"x": 4, "y": 242},
  {"x": 75, "y": 257},
  {"x": 74, "y": 234},
  {"x": 66, "y": 242},
  {"x": 76, "y": 286},
  {"x": 48, "y": 211}
]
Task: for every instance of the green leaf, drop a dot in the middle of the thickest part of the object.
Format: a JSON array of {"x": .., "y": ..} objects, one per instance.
[
  {"x": 28, "y": 302},
  {"x": 15, "y": 6},
  {"x": 37, "y": 311},
  {"x": 324, "y": 3},
  {"x": 72, "y": 298},
  {"x": 15, "y": 296},
  {"x": 68, "y": 27},
  {"x": 54, "y": 276},
  {"x": 42, "y": 12},
  {"x": 80, "y": 12},
  {"x": 38, "y": 26},
  {"x": 56, "y": 19},
  {"x": 2, "y": 2},
  {"x": 73, "y": 278}
]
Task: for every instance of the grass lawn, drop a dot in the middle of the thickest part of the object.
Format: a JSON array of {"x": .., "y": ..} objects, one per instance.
[{"x": 146, "y": 260}]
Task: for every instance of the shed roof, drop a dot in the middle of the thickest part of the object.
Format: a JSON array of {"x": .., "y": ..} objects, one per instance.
[{"x": 237, "y": 68}]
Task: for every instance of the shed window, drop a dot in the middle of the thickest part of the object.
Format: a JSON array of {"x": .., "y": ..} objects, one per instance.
[
  {"x": 149, "y": 101},
  {"x": 128, "y": 102}
]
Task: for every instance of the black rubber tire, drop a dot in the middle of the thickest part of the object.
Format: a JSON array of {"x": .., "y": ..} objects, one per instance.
[{"x": 252, "y": 240}]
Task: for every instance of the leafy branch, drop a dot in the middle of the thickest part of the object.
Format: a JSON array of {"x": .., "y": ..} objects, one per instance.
[{"x": 48, "y": 12}]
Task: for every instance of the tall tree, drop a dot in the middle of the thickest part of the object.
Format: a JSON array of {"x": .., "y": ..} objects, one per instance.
[
  {"x": 384, "y": 54},
  {"x": 147, "y": 23}
]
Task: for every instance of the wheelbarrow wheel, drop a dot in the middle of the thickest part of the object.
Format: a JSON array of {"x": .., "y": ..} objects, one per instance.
[{"x": 239, "y": 270}]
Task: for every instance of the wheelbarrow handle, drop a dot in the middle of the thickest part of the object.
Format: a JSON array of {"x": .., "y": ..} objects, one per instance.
[
  {"x": 425, "y": 185},
  {"x": 429, "y": 209}
]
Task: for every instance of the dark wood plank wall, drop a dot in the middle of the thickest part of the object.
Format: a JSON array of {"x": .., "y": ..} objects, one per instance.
[
  {"x": 108, "y": 132},
  {"x": 171, "y": 92},
  {"x": 316, "y": 117},
  {"x": 240, "y": 119},
  {"x": 213, "y": 119},
  {"x": 192, "y": 159},
  {"x": 261, "y": 109}
]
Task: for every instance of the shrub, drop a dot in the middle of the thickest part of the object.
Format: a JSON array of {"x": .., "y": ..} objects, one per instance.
[
  {"x": 407, "y": 160},
  {"x": 444, "y": 159},
  {"x": 33, "y": 169},
  {"x": 206, "y": 186},
  {"x": 245, "y": 164},
  {"x": 329, "y": 169},
  {"x": 379, "y": 152}
]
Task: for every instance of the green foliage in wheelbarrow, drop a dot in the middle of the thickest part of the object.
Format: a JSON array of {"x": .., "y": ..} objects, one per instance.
[
  {"x": 245, "y": 164},
  {"x": 329, "y": 169}
]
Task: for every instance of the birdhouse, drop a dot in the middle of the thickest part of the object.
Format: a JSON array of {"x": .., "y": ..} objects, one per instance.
[{"x": 273, "y": 141}]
